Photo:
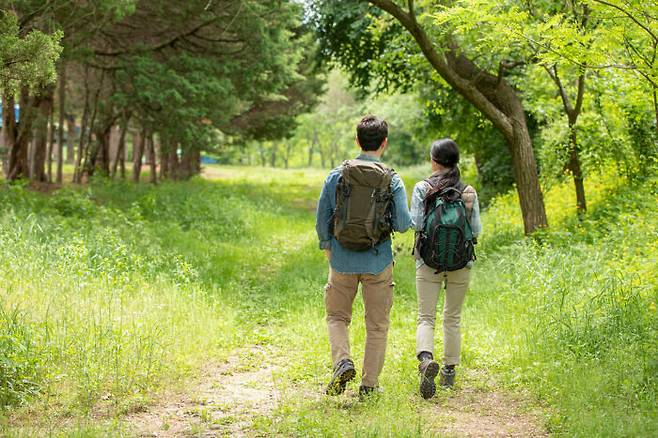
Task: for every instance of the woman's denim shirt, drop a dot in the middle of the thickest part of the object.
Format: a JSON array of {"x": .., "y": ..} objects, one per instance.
[{"x": 418, "y": 210}]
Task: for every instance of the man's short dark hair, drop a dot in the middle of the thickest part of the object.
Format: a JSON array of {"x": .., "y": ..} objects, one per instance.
[{"x": 371, "y": 132}]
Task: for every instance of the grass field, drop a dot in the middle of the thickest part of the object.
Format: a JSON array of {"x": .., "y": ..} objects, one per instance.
[{"x": 115, "y": 295}]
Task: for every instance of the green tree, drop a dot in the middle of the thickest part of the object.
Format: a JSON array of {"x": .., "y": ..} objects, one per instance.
[
  {"x": 27, "y": 63},
  {"x": 366, "y": 42}
]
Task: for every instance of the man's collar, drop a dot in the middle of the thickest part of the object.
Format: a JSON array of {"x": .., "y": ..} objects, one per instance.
[{"x": 367, "y": 157}]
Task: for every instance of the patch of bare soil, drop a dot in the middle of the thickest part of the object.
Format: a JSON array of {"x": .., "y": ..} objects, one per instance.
[
  {"x": 43, "y": 187},
  {"x": 470, "y": 412},
  {"x": 214, "y": 173},
  {"x": 231, "y": 394},
  {"x": 222, "y": 404}
]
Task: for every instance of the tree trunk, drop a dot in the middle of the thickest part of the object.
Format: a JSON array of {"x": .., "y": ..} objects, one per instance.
[
  {"x": 273, "y": 155},
  {"x": 261, "y": 151},
  {"x": 152, "y": 159},
  {"x": 51, "y": 141},
  {"x": 322, "y": 158},
  {"x": 104, "y": 150},
  {"x": 163, "y": 159},
  {"x": 288, "y": 148},
  {"x": 196, "y": 162},
  {"x": 333, "y": 153},
  {"x": 60, "y": 128},
  {"x": 138, "y": 151},
  {"x": 164, "y": 163},
  {"x": 527, "y": 181},
  {"x": 18, "y": 155},
  {"x": 495, "y": 98},
  {"x": 312, "y": 146},
  {"x": 122, "y": 162},
  {"x": 190, "y": 163},
  {"x": 121, "y": 147},
  {"x": 573, "y": 112},
  {"x": 185, "y": 169},
  {"x": 174, "y": 165},
  {"x": 70, "y": 135},
  {"x": 655, "y": 107},
  {"x": 77, "y": 172},
  {"x": 9, "y": 130},
  {"x": 93, "y": 145}
]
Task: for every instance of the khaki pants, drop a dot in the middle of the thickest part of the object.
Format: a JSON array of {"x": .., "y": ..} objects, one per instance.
[
  {"x": 428, "y": 284},
  {"x": 378, "y": 299}
]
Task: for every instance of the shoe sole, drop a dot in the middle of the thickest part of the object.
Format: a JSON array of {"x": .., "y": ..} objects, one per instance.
[
  {"x": 427, "y": 385},
  {"x": 338, "y": 386}
]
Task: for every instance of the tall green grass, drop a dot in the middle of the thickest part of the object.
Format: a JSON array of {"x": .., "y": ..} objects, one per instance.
[
  {"x": 112, "y": 292},
  {"x": 574, "y": 309}
]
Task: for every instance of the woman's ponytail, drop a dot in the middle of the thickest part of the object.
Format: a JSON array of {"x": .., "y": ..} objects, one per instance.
[{"x": 446, "y": 153}]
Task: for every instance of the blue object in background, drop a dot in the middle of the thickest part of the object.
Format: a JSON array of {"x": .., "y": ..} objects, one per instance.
[
  {"x": 205, "y": 159},
  {"x": 16, "y": 113}
]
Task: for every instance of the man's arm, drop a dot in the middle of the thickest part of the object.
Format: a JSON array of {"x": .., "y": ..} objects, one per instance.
[
  {"x": 323, "y": 217},
  {"x": 401, "y": 218}
]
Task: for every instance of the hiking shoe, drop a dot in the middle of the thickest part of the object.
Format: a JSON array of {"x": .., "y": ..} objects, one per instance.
[
  {"x": 447, "y": 378},
  {"x": 369, "y": 391},
  {"x": 428, "y": 369},
  {"x": 343, "y": 373}
]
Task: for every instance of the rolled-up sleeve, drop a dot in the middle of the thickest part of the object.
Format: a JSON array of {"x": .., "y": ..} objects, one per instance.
[
  {"x": 401, "y": 219},
  {"x": 417, "y": 206},
  {"x": 476, "y": 225},
  {"x": 323, "y": 216}
]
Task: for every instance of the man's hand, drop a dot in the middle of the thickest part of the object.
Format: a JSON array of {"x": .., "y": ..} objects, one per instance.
[{"x": 327, "y": 252}]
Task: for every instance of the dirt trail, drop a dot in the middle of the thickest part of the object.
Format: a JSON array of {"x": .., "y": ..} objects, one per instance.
[
  {"x": 473, "y": 413},
  {"x": 230, "y": 395},
  {"x": 223, "y": 403}
]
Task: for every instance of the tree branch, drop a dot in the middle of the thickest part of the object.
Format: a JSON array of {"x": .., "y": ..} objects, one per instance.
[
  {"x": 629, "y": 15},
  {"x": 167, "y": 43},
  {"x": 506, "y": 65},
  {"x": 580, "y": 83},
  {"x": 566, "y": 102},
  {"x": 463, "y": 85}
]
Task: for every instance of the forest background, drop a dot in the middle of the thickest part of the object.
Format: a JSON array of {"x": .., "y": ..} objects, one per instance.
[{"x": 554, "y": 105}]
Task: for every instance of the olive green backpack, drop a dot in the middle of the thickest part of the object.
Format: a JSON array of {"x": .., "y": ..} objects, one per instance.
[{"x": 362, "y": 217}]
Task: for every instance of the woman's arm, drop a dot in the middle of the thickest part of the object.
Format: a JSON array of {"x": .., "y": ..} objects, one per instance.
[
  {"x": 470, "y": 198},
  {"x": 417, "y": 205}
]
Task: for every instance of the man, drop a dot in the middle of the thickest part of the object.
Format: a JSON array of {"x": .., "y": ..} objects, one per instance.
[{"x": 361, "y": 203}]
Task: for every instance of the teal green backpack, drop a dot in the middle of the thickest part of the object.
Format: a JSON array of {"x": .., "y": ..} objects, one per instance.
[{"x": 446, "y": 241}]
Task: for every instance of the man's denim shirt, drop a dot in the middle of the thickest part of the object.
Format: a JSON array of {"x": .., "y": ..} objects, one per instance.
[{"x": 372, "y": 261}]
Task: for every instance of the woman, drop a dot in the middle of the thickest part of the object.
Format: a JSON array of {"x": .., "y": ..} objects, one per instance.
[{"x": 441, "y": 185}]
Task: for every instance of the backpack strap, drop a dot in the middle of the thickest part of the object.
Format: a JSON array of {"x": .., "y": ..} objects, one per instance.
[{"x": 451, "y": 190}]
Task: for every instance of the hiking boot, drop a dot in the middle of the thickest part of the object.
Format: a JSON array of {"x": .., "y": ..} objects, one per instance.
[
  {"x": 428, "y": 369},
  {"x": 343, "y": 373},
  {"x": 369, "y": 391},
  {"x": 447, "y": 377}
]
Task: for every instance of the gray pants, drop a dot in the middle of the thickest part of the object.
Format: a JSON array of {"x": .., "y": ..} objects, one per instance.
[{"x": 428, "y": 285}]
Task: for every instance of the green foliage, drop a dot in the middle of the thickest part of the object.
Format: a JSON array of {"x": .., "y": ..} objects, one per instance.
[
  {"x": 19, "y": 359},
  {"x": 451, "y": 116},
  {"x": 579, "y": 323},
  {"x": 197, "y": 92},
  {"x": 352, "y": 33},
  {"x": 644, "y": 141},
  {"x": 26, "y": 60},
  {"x": 151, "y": 282}
]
